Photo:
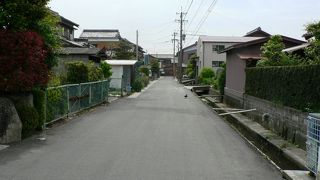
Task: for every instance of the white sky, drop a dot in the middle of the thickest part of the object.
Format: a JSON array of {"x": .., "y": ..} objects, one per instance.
[{"x": 155, "y": 19}]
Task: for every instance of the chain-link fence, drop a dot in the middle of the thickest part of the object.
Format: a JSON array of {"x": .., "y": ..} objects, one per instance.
[
  {"x": 313, "y": 142},
  {"x": 65, "y": 100}
]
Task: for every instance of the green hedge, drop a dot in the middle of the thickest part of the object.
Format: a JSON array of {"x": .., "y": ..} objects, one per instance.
[
  {"x": 80, "y": 72},
  {"x": 293, "y": 86},
  {"x": 77, "y": 72}
]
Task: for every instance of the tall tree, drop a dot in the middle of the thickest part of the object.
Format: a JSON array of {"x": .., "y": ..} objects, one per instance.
[
  {"x": 124, "y": 51},
  {"x": 192, "y": 65},
  {"x": 32, "y": 15},
  {"x": 313, "y": 51}
]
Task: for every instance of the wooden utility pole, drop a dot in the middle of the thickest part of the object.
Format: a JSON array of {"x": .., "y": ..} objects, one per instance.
[
  {"x": 182, "y": 36},
  {"x": 174, "y": 53},
  {"x": 137, "y": 48}
]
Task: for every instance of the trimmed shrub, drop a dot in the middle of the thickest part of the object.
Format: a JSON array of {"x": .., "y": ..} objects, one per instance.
[
  {"x": 145, "y": 81},
  {"x": 221, "y": 81},
  {"x": 137, "y": 85},
  {"x": 94, "y": 73},
  {"x": 22, "y": 61},
  {"x": 29, "y": 118},
  {"x": 207, "y": 76},
  {"x": 293, "y": 86},
  {"x": 144, "y": 70},
  {"x": 106, "y": 69},
  {"x": 77, "y": 72}
]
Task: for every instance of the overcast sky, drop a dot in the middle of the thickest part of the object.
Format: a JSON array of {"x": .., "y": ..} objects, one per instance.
[{"x": 155, "y": 19}]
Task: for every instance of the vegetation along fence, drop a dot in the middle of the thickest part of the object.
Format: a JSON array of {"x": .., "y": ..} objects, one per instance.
[{"x": 65, "y": 100}]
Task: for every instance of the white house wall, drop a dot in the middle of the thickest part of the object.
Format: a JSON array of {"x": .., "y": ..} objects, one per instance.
[
  {"x": 116, "y": 78},
  {"x": 207, "y": 55}
]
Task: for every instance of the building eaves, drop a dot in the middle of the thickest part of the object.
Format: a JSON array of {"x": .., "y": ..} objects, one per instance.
[
  {"x": 248, "y": 43},
  {"x": 296, "y": 48},
  {"x": 68, "y": 22},
  {"x": 261, "y": 40},
  {"x": 226, "y": 39}
]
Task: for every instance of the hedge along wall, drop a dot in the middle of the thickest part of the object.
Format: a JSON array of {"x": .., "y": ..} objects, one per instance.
[{"x": 294, "y": 86}]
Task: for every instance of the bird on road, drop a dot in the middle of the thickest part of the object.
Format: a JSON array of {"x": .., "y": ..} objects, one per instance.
[{"x": 185, "y": 96}]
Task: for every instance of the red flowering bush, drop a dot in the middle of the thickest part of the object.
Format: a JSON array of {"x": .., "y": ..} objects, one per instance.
[{"x": 22, "y": 61}]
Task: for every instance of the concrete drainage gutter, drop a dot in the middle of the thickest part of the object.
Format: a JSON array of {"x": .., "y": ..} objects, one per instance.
[{"x": 290, "y": 159}]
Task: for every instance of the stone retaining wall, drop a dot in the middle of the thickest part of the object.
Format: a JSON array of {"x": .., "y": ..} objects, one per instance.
[{"x": 286, "y": 122}]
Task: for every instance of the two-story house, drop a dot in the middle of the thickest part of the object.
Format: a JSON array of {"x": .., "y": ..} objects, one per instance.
[{"x": 209, "y": 46}]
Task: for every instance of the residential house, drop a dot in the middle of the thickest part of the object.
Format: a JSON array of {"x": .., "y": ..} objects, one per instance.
[
  {"x": 103, "y": 38},
  {"x": 187, "y": 52},
  {"x": 239, "y": 57},
  {"x": 209, "y": 46},
  {"x": 134, "y": 47},
  {"x": 108, "y": 39},
  {"x": 166, "y": 63},
  {"x": 74, "y": 49},
  {"x": 122, "y": 74}
]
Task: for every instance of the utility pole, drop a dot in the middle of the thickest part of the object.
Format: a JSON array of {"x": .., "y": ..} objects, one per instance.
[
  {"x": 174, "y": 53},
  {"x": 137, "y": 48},
  {"x": 182, "y": 36}
]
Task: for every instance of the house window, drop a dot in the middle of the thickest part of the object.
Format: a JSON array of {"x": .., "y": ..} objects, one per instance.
[
  {"x": 218, "y": 47},
  {"x": 217, "y": 63}
]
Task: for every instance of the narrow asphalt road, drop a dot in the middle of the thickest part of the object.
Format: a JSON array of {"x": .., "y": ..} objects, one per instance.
[{"x": 158, "y": 135}]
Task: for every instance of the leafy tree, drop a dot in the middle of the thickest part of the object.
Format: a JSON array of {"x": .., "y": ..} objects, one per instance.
[
  {"x": 22, "y": 15},
  {"x": 106, "y": 69},
  {"x": 191, "y": 67},
  {"x": 124, "y": 51},
  {"x": 22, "y": 64},
  {"x": 155, "y": 66},
  {"x": 313, "y": 51},
  {"x": 32, "y": 15},
  {"x": 272, "y": 54}
]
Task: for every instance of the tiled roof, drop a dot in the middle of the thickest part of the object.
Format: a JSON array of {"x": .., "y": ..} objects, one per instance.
[
  {"x": 121, "y": 62},
  {"x": 100, "y": 34},
  {"x": 162, "y": 56},
  {"x": 71, "y": 50},
  {"x": 227, "y": 39}
]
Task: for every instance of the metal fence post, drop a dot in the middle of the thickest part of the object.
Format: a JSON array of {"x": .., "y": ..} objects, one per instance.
[
  {"x": 318, "y": 170},
  {"x": 79, "y": 95},
  {"x": 68, "y": 102},
  {"x": 90, "y": 95},
  {"x": 45, "y": 110},
  {"x": 101, "y": 89}
]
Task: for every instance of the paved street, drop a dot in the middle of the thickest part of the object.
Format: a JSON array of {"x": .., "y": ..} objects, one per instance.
[{"x": 158, "y": 135}]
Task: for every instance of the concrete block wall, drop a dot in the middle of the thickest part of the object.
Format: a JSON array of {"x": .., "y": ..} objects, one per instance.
[{"x": 286, "y": 122}]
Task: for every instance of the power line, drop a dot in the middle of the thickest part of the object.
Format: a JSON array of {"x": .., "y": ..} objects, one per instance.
[
  {"x": 195, "y": 15},
  {"x": 188, "y": 8},
  {"x": 204, "y": 18}
]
